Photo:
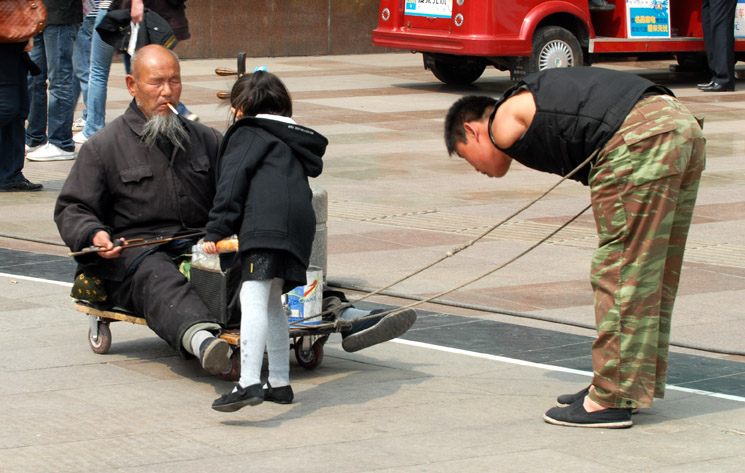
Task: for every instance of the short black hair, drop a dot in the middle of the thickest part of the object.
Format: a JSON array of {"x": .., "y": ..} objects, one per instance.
[
  {"x": 466, "y": 109},
  {"x": 260, "y": 92}
]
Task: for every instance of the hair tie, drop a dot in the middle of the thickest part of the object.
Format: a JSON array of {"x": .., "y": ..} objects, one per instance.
[{"x": 260, "y": 68}]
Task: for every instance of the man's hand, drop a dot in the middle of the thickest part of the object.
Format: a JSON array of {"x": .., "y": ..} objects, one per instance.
[
  {"x": 209, "y": 247},
  {"x": 103, "y": 240},
  {"x": 136, "y": 11}
]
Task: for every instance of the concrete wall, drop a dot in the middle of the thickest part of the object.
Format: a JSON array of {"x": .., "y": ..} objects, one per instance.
[{"x": 223, "y": 28}]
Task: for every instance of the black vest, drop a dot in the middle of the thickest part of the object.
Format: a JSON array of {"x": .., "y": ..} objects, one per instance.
[{"x": 578, "y": 109}]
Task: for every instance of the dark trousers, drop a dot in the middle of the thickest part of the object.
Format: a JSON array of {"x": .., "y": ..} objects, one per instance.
[
  {"x": 718, "y": 23},
  {"x": 162, "y": 295},
  {"x": 13, "y": 111}
]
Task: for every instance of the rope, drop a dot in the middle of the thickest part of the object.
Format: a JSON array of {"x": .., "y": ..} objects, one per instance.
[
  {"x": 460, "y": 248},
  {"x": 340, "y": 284}
]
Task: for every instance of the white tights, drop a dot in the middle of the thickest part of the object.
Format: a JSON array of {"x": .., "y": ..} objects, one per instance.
[{"x": 264, "y": 323}]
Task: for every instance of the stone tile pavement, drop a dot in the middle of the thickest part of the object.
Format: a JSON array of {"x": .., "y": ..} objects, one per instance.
[{"x": 396, "y": 203}]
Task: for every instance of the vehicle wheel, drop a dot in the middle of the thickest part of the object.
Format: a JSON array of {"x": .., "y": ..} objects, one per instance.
[
  {"x": 693, "y": 62},
  {"x": 554, "y": 46},
  {"x": 312, "y": 358},
  {"x": 457, "y": 73},
  {"x": 235, "y": 369},
  {"x": 103, "y": 343}
]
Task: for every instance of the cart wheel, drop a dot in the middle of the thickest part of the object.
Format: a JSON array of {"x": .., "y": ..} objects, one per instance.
[
  {"x": 312, "y": 358},
  {"x": 235, "y": 370},
  {"x": 554, "y": 46},
  {"x": 102, "y": 345}
]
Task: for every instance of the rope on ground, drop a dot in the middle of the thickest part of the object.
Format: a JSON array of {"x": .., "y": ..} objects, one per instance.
[{"x": 340, "y": 284}]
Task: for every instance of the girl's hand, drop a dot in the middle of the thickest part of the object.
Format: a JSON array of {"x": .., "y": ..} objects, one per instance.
[{"x": 209, "y": 247}]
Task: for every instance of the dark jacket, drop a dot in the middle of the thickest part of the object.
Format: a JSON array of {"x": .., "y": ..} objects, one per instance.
[
  {"x": 64, "y": 12},
  {"x": 115, "y": 29},
  {"x": 16, "y": 64},
  {"x": 173, "y": 11},
  {"x": 118, "y": 185},
  {"x": 263, "y": 193},
  {"x": 578, "y": 109}
]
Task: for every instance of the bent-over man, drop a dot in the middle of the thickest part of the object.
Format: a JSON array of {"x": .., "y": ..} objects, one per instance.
[{"x": 648, "y": 158}]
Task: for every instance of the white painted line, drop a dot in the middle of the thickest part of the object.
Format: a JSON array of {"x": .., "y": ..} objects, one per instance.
[
  {"x": 27, "y": 278},
  {"x": 458, "y": 351},
  {"x": 542, "y": 366}
]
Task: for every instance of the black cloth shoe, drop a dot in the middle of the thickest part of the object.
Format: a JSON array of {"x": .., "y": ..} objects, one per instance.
[
  {"x": 600, "y": 5},
  {"x": 240, "y": 397},
  {"x": 568, "y": 399},
  {"x": 214, "y": 354},
  {"x": 575, "y": 415},
  {"x": 280, "y": 395},
  {"x": 23, "y": 185},
  {"x": 715, "y": 87},
  {"x": 373, "y": 330}
]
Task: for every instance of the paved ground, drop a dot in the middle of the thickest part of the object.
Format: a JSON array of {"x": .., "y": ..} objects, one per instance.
[{"x": 466, "y": 388}]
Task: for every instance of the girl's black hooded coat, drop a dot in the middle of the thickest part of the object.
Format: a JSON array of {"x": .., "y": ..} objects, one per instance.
[{"x": 263, "y": 194}]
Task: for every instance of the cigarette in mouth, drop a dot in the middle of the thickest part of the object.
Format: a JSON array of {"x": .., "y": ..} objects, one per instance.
[{"x": 172, "y": 108}]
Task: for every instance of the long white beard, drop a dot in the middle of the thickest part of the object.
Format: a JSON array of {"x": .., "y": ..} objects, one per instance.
[{"x": 166, "y": 127}]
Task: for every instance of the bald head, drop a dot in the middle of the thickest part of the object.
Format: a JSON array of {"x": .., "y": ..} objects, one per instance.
[{"x": 155, "y": 80}]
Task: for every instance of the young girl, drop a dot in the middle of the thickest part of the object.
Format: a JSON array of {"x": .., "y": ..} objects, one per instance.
[{"x": 263, "y": 195}]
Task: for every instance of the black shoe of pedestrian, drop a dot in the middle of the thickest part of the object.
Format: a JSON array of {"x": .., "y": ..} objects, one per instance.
[
  {"x": 708, "y": 84},
  {"x": 373, "y": 330},
  {"x": 600, "y": 5},
  {"x": 214, "y": 354},
  {"x": 716, "y": 87},
  {"x": 22, "y": 186},
  {"x": 280, "y": 395},
  {"x": 568, "y": 399},
  {"x": 239, "y": 398},
  {"x": 575, "y": 415}
]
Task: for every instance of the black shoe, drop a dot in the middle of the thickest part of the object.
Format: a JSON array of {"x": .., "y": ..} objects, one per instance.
[
  {"x": 240, "y": 397},
  {"x": 708, "y": 84},
  {"x": 600, "y": 5},
  {"x": 715, "y": 87},
  {"x": 575, "y": 415},
  {"x": 214, "y": 354},
  {"x": 280, "y": 395},
  {"x": 568, "y": 399},
  {"x": 22, "y": 186},
  {"x": 374, "y": 330}
]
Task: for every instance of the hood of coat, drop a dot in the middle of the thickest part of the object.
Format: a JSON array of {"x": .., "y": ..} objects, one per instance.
[{"x": 308, "y": 144}]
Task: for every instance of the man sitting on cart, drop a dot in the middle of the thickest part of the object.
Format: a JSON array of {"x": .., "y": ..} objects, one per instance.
[{"x": 151, "y": 173}]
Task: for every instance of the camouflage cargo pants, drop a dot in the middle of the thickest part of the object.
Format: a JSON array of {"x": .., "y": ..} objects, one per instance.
[{"x": 643, "y": 190}]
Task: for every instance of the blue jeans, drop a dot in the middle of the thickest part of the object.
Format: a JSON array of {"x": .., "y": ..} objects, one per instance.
[
  {"x": 52, "y": 52},
  {"x": 13, "y": 111},
  {"x": 81, "y": 58},
  {"x": 100, "y": 65}
]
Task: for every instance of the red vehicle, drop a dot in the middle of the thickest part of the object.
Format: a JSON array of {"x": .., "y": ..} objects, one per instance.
[{"x": 459, "y": 38}]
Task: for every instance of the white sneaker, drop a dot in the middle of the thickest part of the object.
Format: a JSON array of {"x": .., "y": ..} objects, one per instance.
[
  {"x": 49, "y": 152},
  {"x": 30, "y": 149},
  {"x": 79, "y": 138},
  {"x": 78, "y": 124}
]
